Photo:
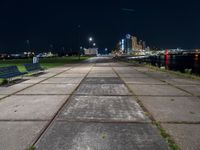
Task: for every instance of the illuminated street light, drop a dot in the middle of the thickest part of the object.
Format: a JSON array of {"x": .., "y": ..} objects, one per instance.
[
  {"x": 90, "y": 39},
  {"x": 94, "y": 44}
]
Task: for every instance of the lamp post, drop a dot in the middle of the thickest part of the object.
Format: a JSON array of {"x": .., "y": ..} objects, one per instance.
[
  {"x": 80, "y": 51},
  {"x": 79, "y": 39},
  {"x": 90, "y": 40}
]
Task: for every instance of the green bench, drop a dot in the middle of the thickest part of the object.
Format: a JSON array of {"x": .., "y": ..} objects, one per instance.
[
  {"x": 10, "y": 72},
  {"x": 33, "y": 67}
]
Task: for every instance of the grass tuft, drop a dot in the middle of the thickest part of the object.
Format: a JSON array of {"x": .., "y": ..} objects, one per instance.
[
  {"x": 167, "y": 137},
  {"x": 31, "y": 148},
  {"x": 3, "y": 82}
]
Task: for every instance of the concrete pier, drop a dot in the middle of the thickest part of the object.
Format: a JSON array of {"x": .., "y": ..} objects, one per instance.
[{"x": 100, "y": 105}]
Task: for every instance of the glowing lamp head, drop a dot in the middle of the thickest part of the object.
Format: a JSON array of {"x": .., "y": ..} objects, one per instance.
[{"x": 90, "y": 39}]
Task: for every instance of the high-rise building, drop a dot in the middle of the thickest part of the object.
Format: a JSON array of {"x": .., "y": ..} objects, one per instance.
[
  {"x": 123, "y": 45},
  {"x": 143, "y": 45},
  {"x": 140, "y": 45},
  {"x": 128, "y": 44},
  {"x": 134, "y": 43}
]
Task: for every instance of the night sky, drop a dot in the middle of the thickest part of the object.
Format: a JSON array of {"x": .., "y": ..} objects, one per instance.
[{"x": 163, "y": 23}]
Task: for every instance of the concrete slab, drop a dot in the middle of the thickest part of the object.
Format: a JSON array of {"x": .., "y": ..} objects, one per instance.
[
  {"x": 19, "y": 135},
  {"x": 6, "y": 90},
  {"x": 103, "y": 89},
  {"x": 102, "y": 69},
  {"x": 102, "y": 65},
  {"x": 33, "y": 80},
  {"x": 159, "y": 75},
  {"x": 102, "y": 72},
  {"x": 143, "y": 81},
  {"x": 98, "y": 80},
  {"x": 52, "y": 71},
  {"x": 193, "y": 89},
  {"x": 183, "y": 81},
  {"x": 70, "y": 75},
  {"x": 116, "y": 64},
  {"x": 78, "y": 71},
  {"x": 50, "y": 89},
  {"x": 81, "y": 68},
  {"x": 101, "y": 75},
  {"x": 173, "y": 109},
  {"x": 124, "y": 75},
  {"x": 142, "y": 69},
  {"x": 1, "y": 96},
  {"x": 124, "y": 67},
  {"x": 125, "y": 71},
  {"x": 58, "y": 69},
  {"x": 64, "y": 80},
  {"x": 48, "y": 74},
  {"x": 156, "y": 90},
  {"x": 101, "y": 136},
  {"x": 30, "y": 107},
  {"x": 103, "y": 108},
  {"x": 185, "y": 135}
]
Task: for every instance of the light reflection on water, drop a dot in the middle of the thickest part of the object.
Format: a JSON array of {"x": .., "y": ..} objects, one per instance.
[{"x": 189, "y": 64}]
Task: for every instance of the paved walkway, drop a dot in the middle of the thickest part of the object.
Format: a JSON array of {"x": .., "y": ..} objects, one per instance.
[{"x": 97, "y": 106}]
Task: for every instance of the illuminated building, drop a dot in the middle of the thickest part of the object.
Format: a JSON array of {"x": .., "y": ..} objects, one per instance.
[
  {"x": 134, "y": 43},
  {"x": 143, "y": 45},
  {"x": 128, "y": 44},
  {"x": 91, "y": 52},
  {"x": 123, "y": 45}
]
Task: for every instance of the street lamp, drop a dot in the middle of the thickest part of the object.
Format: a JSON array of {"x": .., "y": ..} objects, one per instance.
[
  {"x": 90, "y": 40},
  {"x": 80, "y": 51},
  {"x": 94, "y": 44}
]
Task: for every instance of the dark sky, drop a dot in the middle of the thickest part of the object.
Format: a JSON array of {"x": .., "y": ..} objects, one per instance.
[{"x": 163, "y": 23}]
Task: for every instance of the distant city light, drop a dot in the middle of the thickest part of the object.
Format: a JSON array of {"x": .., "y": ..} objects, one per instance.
[
  {"x": 128, "y": 36},
  {"x": 123, "y": 46},
  {"x": 94, "y": 44}
]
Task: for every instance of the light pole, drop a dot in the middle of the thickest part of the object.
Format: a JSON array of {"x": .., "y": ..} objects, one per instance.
[
  {"x": 90, "y": 40},
  {"x": 79, "y": 39},
  {"x": 28, "y": 45},
  {"x": 80, "y": 51}
]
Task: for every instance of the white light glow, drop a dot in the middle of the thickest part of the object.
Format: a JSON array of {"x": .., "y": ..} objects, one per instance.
[{"x": 90, "y": 39}]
